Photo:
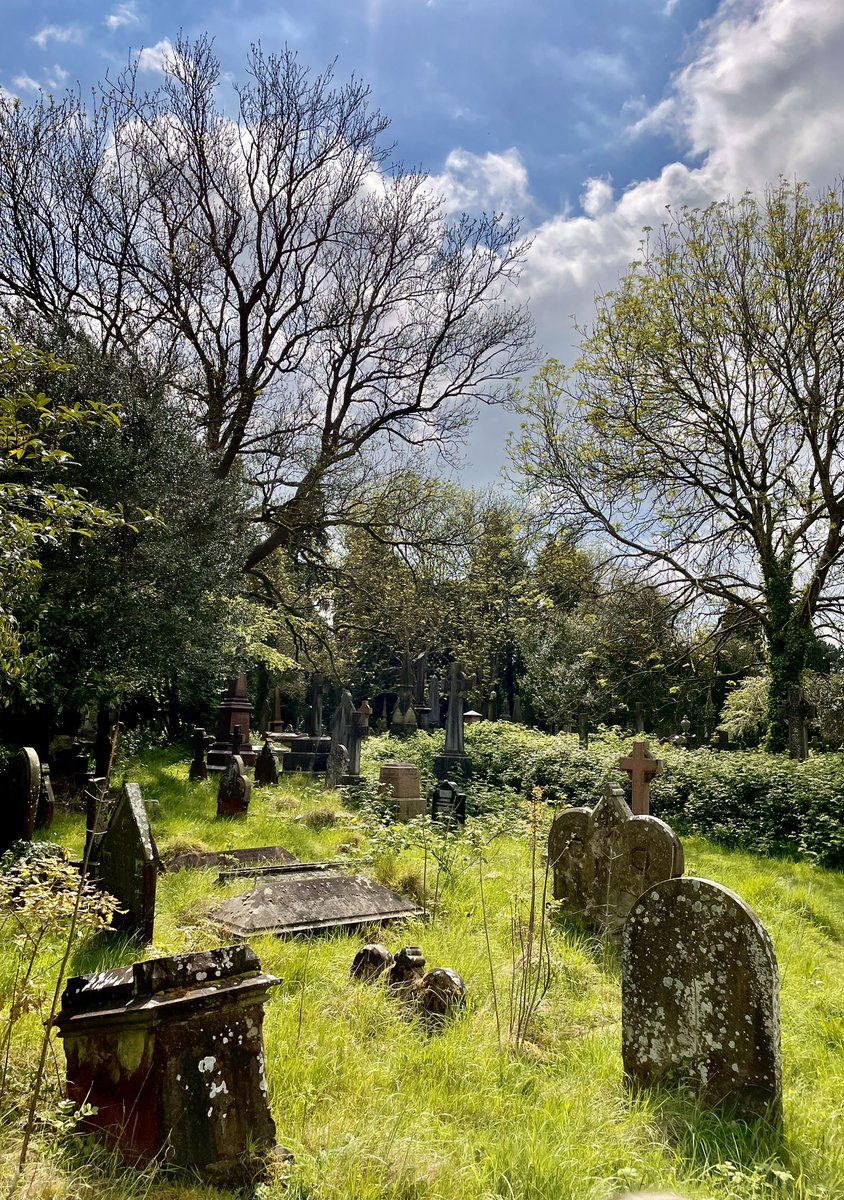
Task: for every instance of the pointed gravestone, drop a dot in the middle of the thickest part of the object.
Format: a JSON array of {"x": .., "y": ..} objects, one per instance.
[
  {"x": 604, "y": 858},
  {"x": 127, "y": 864},
  {"x": 266, "y": 766},
  {"x": 235, "y": 789},
  {"x": 21, "y": 784},
  {"x": 642, "y": 767},
  {"x": 700, "y": 997}
]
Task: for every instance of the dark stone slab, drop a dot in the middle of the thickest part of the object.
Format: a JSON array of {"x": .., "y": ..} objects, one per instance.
[
  {"x": 170, "y": 1055},
  {"x": 21, "y": 784},
  {"x": 700, "y": 997},
  {"x": 46, "y": 807},
  {"x": 604, "y": 858},
  {"x": 251, "y": 856},
  {"x": 307, "y": 903},
  {"x": 127, "y": 864}
]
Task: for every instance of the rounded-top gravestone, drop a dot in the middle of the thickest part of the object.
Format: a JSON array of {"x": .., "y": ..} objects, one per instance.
[
  {"x": 21, "y": 783},
  {"x": 700, "y": 997}
]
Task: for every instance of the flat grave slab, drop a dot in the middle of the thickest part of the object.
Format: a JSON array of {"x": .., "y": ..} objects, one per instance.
[
  {"x": 222, "y": 859},
  {"x": 309, "y": 902}
]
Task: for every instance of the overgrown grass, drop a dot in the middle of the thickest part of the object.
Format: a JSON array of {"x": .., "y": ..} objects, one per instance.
[{"x": 374, "y": 1107}]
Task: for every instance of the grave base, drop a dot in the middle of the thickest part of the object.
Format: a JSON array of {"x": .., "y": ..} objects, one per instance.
[
  {"x": 453, "y": 766},
  {"x": 406, "y": 809}
]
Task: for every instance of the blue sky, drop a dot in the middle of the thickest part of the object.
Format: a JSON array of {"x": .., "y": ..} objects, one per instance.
[{"x": 587, "y": 117}]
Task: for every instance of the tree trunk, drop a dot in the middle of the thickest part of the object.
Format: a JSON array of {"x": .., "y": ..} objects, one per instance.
[{"x": 789, "y": 635}]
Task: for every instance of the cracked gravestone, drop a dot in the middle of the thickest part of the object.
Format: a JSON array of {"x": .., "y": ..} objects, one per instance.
[
  {"x": 21, "y": 784},
  {"x": 234, "y": 790},
  {"x": 127, "y": 864},
  {"x": 700, "y": 997},
  {"x": 604, "y": 858},
  {"x": 310, "y": 902}
]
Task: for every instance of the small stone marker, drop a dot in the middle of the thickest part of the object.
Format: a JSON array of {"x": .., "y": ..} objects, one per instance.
[
  {"x": 700, "y": 997},
  {"x": 201, "y": 742},
  {"x": 170, "y": 1055},
  {"x": 642, "y": 767},
  {"x": 371, "y": 961},
  {"x": 21, "y": 783},
  {"x": 604, "y": 858},
  {"x": 441, "y": 993},
  {"x": 250, "y": 857},
  {"x": 266, "y": 766},
  {"x": 401, "y": 781},
  {"x": 306, "y": 903},
  {"x": 235, "y": 789},
  {"x": 127, "y": 864}
]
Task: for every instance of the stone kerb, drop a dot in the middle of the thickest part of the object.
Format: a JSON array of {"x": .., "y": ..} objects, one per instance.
[
  {"x": 604, "y": 858},
  {"x": 700, "y": 997}
]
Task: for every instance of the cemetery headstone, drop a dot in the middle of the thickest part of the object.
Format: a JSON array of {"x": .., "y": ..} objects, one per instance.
[
  {"x": 127, "y": 864},
  {"x": 799, "y": 713},
  {"x": 337, "y": 766},
  {"x": 441, "y": 993},
  {"x": 311, "y": 901},
  {"x": 434, "y": 720},
  {"x": 517, "y": 710},
  {"x": 642, "y": 767},
  {"x": 201, "y": 742},
  {"x": 448, "y": 803},
  {"x": 407, "y": 969},
  {"x": 583, "y": 731},
  {"x": 604, "y": 858},
  {"x": 454, "y": 762},
  {"x": 700, "y": 997},
  {"x": 505, "y": 710},
  {"x": 249, "y": 857},
  {"x": 234, "y": 713},
  {"x": 401, "y": 781},
  {"x": 46, "y": 807},
  {"x": 638, "y": 719},
  {"x": 314, "y": 724},
  {"x": 234, "y": 790},
  {"x": 340, "y": 724},
  {"x": 492, "y": 706},
  {"x": 277, "y": 724},
  {"x": 371, "y": 961},
  {"x": 21, "y": 784},
  {"x": 357, "y": 735},
  {"x": 169, "y": 1056},
  {"x": 720, "y": 740},
  {"x": 266, "y": 766}
]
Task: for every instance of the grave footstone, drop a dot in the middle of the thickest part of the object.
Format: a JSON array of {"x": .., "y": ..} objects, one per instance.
[
  {"x": 642, "y": 767},
  {"x": 266, "y": 766},
  {"x": 235, "y": 789},
  {"x": 700, "y": 997},
  {"x": 21, "y": 784},
  {"x": 309, "y": 902},
  {"x": 604, "y": 858},
  {"x": 127, "y": 864},
  {"x": 169, "y": 1056}
]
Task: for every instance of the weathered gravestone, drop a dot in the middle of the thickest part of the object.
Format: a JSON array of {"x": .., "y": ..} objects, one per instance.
[
  {"x": 700, "y": 997},
  {"x": 251, "y": 856},
  {"x": 309, "y": 902},
  {"x": 400, "y": 781},
  {"x": 448, "y": 803},
  {"x": 266, "y": 766},
  {"x": 169, "y": 1054},
  {"x": 201, "y": 742},
  {"x": 127, "y": 864},
  {"x": 441, "y": 993},
  {"x": 642, "y": 767},
  {"x": 371, "y": 961},
  {"x": 337, "y": 766},
  {"x": 235, "y": 789},
  {"x": 46, "y": 807},
  {"x": 20, "y": 785},
  {"x": 604, "y": 858},
  {"x": 799, "y": 713}
]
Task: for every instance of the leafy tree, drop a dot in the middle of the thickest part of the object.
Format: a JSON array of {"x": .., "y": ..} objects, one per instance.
[
  {"x": 700, "y": 433},
  {"x": 313, "y": 305},
  {"x": 39, "y": 505}
]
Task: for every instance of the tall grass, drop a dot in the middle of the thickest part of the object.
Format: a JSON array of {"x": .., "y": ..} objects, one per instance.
[{"x": 374, "y": 1106}]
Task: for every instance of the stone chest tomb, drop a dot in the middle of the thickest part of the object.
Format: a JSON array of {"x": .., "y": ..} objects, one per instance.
[{"x": 170, "y": 1054}]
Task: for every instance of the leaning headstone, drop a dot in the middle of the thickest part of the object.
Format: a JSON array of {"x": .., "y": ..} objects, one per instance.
[
  {"x": 201, "y": 743},
  {"x": 642, "y": 767},
  {"x": 266, "y": 766},
  {"x": 21, "y": 784},
  {"x": 604, "y": 858},
  {"x": 169, "y": 1056},
  {"x": 235, "y": 789},
  {"x": 127, "y": 864},
  {"x": 700, "y": 997}
]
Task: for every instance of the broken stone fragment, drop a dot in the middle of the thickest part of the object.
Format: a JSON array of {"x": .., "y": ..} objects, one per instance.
[{"x": 408, "y": 968}]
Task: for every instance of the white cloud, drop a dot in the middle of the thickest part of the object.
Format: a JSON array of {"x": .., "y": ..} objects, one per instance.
[
  {"x": 155, "y": 58},
  {"x": 123, "y": 15},
  {"x": 597, "y": 197},
  {"x": 492, "y": 182},
  {"x": 25, "y": 83},
  {"x": 58, "y": 77},
  {"x": 57, "y": 33}
]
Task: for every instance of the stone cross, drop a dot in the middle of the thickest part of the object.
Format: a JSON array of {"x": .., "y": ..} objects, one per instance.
[
  {"x": 642, "y": 767},
  {"x": 235, "y": 789},
  {"x": 700, "y": 997},
  {"x": 798, "y": 712},
  {"x": 201, "y": 743},
  {"x": 127, "y": 864},
  {"x": 603, "y": 859},
  {"x": 22, "y": 784}
]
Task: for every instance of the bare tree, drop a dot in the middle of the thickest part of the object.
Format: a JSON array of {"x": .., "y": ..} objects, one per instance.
[
  {"x": 313, "y": 305},
  {"x": 701, "y": 433}
]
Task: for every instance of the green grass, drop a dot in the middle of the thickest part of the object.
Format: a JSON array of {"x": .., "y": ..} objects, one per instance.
[{"x": 373, "y": 1106}]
